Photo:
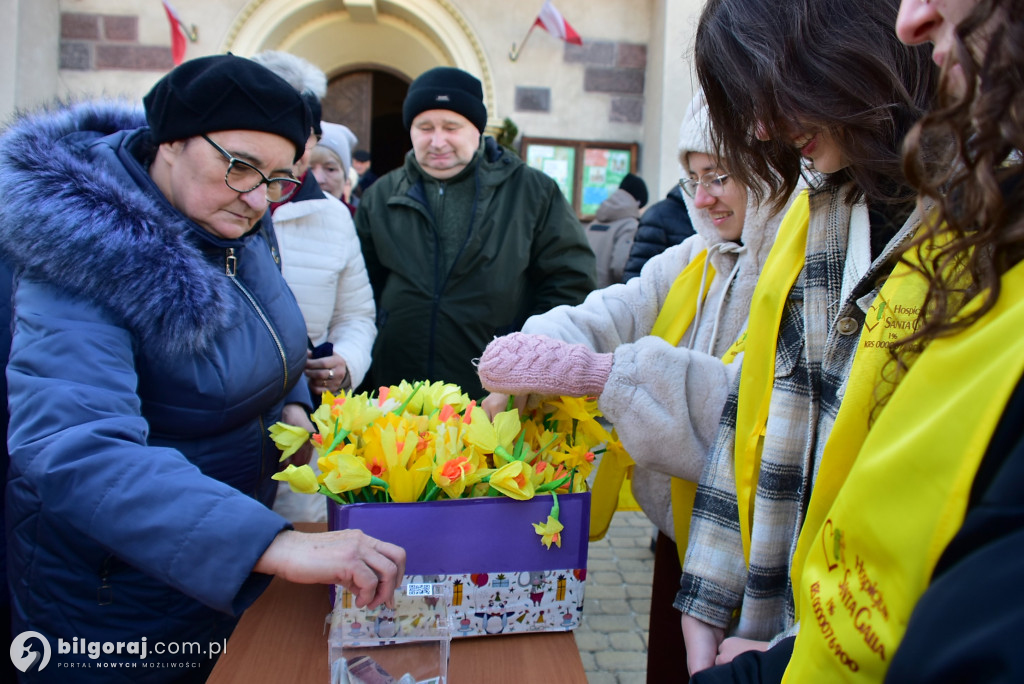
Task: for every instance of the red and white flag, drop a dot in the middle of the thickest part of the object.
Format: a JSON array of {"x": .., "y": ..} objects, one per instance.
[
  {"x": 552, "y": 21},
  {"x": 178, "y": 41}
]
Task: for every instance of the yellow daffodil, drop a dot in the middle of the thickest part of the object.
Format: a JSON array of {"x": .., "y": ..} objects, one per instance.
[
  {"x": 514, "y": 480},
  {"x": 549, "y": 531},
  {"x": 288, "y": 438},
  {"x": 493, "y": 438},
  {"x": 454, "y": 475},
  {"x": 432, "y": 397},
  {"x": 344, "y": 472},
  {"x": 301, "y": 479}
]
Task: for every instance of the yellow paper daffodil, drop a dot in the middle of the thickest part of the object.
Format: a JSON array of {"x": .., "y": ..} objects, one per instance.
[
  {"x": 494, "y": 438},
  {"x": 454, "y": 475},
  {"x": 514, "y": 480},
  {"x": 343, "y": 472},
  {"x": 301, "y": 479},
  {"x": 288, "y": 438},
  {"x": 549, "y": 531}
]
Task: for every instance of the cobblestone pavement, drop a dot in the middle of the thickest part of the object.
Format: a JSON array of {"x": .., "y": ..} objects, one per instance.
[{"x": 612, "y": 636}]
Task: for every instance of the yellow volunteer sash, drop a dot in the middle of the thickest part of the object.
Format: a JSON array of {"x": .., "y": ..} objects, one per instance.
[
  {"x": 676, "y": 315},
  {"x": 784, "y": 263},
  {"x": 871, "y": 550}
]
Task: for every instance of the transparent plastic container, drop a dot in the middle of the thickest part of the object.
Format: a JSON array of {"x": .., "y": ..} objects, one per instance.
[{"x": 407, "y": 644}]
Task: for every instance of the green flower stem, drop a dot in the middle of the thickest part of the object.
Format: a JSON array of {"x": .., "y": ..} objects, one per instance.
[
  {"x": 331, "y": 495},
  {"x": 554, "y": 484},
  {"x": 501, "y": 451},
  {"x": 401, "y": 409},
  {"x": 554, "y": 506},
  {"x": 511, "y": 402},
  {"x": 339, "y": 435},
  {"x": 518, "y": 451},
  {"x": 432, "y": 492}
]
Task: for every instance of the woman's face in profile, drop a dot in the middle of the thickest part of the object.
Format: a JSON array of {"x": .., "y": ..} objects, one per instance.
[{"x": 935, "y": 22}]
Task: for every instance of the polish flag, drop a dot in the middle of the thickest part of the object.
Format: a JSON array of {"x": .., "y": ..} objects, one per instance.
[
  {"x": 552, "y": 21},
  {"x": 177, "y": 34}
]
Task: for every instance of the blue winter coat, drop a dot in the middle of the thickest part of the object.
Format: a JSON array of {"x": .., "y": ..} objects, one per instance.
[{"x": 142, "y": 380}]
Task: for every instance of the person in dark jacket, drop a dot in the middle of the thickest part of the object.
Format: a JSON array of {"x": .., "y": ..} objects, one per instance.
[
  {"x": 463, "y": 242},
  {"x": 664, "y": 224},
  {"x": 154, "y": 343}
]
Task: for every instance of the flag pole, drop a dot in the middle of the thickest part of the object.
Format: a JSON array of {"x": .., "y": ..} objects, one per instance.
[{"x": 513, "y": 54}]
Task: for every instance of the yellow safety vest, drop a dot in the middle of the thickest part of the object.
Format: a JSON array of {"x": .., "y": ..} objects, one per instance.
[
  {"x": 676, "y": 315},
  {"x": 887, "y": 503}
]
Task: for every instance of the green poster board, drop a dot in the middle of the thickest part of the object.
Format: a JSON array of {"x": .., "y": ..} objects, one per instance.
[
  {"x": 586, "y": 171},
  {"x": 557, "y": 161},
  {"x": 603, "y": 170}
]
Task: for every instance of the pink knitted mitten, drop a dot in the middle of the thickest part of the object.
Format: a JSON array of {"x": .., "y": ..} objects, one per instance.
[{"x": 537, "y": 364}]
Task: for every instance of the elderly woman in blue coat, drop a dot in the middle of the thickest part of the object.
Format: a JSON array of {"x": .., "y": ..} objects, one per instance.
[{"x": 154, "y": 342}]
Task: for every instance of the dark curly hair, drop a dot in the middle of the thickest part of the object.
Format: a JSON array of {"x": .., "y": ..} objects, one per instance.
[
  {"x": 835, "y": 65},
  {"x": 965, "y": 157}
]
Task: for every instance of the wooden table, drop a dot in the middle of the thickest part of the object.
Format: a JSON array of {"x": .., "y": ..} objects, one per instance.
[{"x": 282, "y": 638}]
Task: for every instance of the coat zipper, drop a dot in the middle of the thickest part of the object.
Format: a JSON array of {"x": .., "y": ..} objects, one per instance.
[{"x": 231, "y": 270}]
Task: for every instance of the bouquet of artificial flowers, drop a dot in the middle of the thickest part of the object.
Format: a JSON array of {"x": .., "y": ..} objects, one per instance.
[{"x": 427, "y": 441}]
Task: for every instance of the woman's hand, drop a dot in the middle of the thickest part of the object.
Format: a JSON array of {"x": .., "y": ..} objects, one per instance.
[
  {"x": 329, "y": 373},
  {"x": 495, "y": 402},
  {"x": 369, "y": 568},
  {"x": 702, "y": 642},
  {"x": 733, "y": 646}
]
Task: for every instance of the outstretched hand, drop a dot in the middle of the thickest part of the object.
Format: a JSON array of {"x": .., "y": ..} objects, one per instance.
[
  {"x": 524, "y": 364},
  {"x": 369, "y": 568}
]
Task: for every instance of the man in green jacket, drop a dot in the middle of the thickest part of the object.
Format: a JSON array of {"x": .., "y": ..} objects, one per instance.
[{"x": 463, "y": 242}]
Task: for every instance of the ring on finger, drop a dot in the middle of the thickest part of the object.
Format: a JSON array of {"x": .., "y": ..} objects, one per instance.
[{"x": 330, "y": 373}]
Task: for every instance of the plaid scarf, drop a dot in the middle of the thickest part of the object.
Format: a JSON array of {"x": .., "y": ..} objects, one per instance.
[{"x": 815, "y": 350}]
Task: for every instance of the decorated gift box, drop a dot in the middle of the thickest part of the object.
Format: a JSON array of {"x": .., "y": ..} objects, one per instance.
[
  {"x": 497, "y": 508},
  {"x": 503, "y": 579}
]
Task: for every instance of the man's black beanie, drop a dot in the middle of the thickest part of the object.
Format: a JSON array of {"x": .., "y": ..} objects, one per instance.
[
  {"x": 225, "y": 93},
  {"x": 446, "y": 88}
]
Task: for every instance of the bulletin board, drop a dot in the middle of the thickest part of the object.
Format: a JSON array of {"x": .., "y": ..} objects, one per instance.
[{"x": 586, "y": 171}]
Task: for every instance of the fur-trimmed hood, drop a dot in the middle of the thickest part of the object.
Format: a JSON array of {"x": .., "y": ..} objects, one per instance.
[{"x": 72, "y": 215}]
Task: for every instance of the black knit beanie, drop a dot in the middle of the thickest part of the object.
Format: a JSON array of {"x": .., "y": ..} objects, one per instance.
[
  {"x": 224, "y": 93},
  {"x": 636, "y": 187},
  {"x": 446, "y": 88}
]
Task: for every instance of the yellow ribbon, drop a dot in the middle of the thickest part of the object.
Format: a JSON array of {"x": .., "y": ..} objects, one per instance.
[{"x": 780, "y": 272}]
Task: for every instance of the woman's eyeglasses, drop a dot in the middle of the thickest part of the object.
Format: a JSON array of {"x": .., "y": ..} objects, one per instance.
[
  {"x": 243, "y": 177},
  {"x": 714, "y": 184}
]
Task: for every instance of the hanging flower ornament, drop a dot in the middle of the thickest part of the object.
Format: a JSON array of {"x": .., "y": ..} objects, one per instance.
[{"x": 426, "y": 441}]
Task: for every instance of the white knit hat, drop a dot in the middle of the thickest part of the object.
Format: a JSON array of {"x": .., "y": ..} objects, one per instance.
[
  {"x": 338, "y": 139},
  {"x": 695, "y": 131}
]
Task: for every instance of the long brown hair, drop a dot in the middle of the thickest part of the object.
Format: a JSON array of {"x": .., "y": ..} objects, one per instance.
[
  {"x": 965, "y": 157},
  {"x": 833, "y": 64}
]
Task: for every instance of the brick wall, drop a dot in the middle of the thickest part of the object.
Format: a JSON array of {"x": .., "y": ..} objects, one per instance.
[
  {"x": 93, "y": 42},
  {"x": 616, "y": 69}
]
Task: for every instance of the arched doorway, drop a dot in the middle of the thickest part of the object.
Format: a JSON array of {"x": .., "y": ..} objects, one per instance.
[
  {"x": 369, "y": 101},
  {"x": 370, "y": 52}
]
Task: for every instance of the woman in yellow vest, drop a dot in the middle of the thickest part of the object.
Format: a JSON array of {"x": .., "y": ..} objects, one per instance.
[
  {"x": 791, "y": 83},
  {"x": 916, "y": 537},
  {"x": 658, "y": 340}
]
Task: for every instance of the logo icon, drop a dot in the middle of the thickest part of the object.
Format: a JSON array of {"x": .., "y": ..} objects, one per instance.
[
  {"x": 22, "y": 655},
  {"x": 442, "y": 98}
]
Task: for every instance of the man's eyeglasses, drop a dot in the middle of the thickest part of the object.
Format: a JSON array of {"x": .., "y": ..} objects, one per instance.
[
  {"x": 714, "y": 184},
  {"x": 243, "y": 177}
]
